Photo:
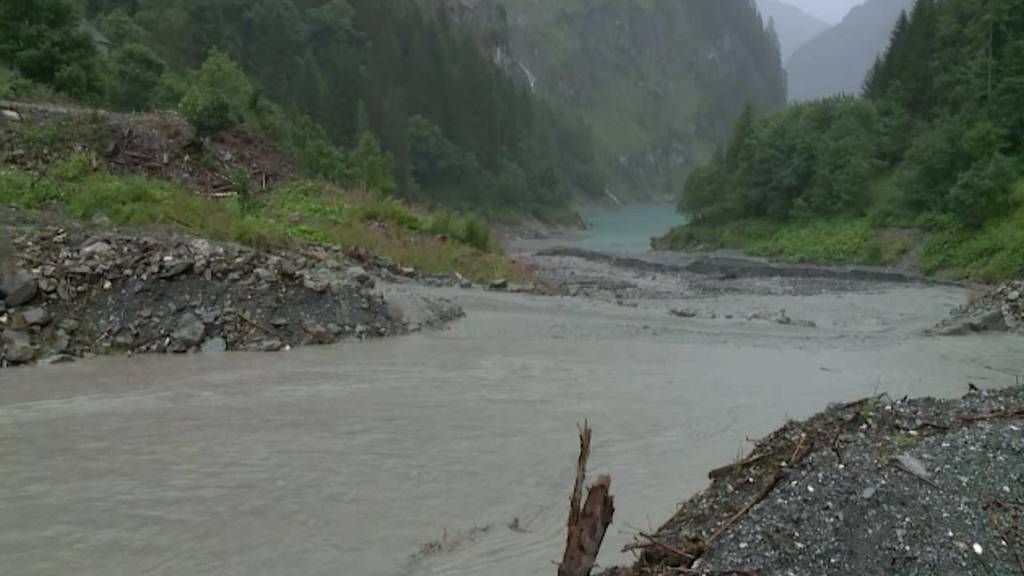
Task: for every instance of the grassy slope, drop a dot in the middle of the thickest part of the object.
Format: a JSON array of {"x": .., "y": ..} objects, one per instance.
[
  {"x": 299, "y": 212},
  {"x": 993, "y": 253}
]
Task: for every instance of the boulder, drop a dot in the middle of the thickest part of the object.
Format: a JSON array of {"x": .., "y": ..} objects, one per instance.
[
  {"x": 358, "y": 275},
  {"x": 190, "y": 332},
  {"x": 29, "y": 317},
  {"x": 267, "y": 345},
  {"x": 317, "y": 331},
  {"x": 97, "y": 248},
  {"x": 215, "y": 345},
  {"x": 21, "y": 289},
  {"x": 499, "y": 284},
  {"x": 17, "y": 347},
  {"x": 992, "y": 321}
]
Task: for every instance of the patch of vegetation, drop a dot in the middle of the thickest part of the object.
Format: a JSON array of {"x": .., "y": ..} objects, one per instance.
[
  {"x": 302, "y": 211},
  {"x": 935, "y": 144}
]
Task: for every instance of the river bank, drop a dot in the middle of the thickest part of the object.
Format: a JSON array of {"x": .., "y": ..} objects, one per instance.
[{"x": 455, "y": 444}]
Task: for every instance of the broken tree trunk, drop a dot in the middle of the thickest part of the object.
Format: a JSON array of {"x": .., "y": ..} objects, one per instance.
[{"x": 588, "y": 520}]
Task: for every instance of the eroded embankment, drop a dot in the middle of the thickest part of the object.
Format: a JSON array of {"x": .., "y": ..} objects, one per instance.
[
  {"x": 73, "y": 290},
  {"x": 879, "y": 486}
]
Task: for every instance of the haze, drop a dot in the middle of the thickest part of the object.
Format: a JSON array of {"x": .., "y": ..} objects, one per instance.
[{"x": 831, "y": 11}]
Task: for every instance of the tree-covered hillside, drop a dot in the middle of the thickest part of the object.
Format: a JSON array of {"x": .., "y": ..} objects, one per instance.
[
  {"x": 328, "y": 80},
  {"x": 659, "y": 81},
  {"x": 936, "y": 144},
  {"x": 836, "y": 61}
]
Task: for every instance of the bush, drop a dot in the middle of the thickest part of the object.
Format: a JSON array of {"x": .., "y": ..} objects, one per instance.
[{"x": 217, "y": 96}]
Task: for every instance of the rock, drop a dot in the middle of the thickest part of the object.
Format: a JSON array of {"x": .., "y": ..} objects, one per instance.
[
  {"x": 215, "y": 345},
  {"x": 783, "y": 318},
  {"x": 17, "y": 347},
  {"x": 69, "y": 325},
  {"x": 264, "y": 275},
  {"x": 1013, "y": 296},
  {"x": 21, "y": 289},
  {"x": 279, "y": 322},
  {"x": 992, "y": 321},
  {"x": 100, "y": 219},
  {"x": 407, "y": 272},
  {"x": 54, "y": 359},
  {"x": 683, "y": 313},
  {"x": 318, "y": 332},
  {"x": 869, "y": 492},
  {"x": 31, "y": 317},
  {"x": 316, "y": 284},
  {"x": 190, "y": 332},
  {"x": 124, "y": 340},
  {"x": 175, "y": 269},
  {"x": 358, "y": 274},
  {"x": 913, "y": 466},
  {"x": 499, "y": 284},
  {"x": 98, "y": 249},
  {"x": 267, "y": 345}
]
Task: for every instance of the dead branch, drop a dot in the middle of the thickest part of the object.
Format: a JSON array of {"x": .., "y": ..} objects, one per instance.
[{"x": 588, "y": 520}]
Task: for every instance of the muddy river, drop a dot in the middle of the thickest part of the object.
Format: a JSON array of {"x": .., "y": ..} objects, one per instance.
[{"x": 444, "y": 453}]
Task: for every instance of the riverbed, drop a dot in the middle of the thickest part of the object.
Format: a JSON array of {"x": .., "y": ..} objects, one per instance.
[{"x": 449, "y": 452}]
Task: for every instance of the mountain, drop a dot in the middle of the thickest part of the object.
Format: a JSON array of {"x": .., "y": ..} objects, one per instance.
[
  {"x": 836, "y": 61},
  {"x": 794, "y": 26},
  {"x": 659, "y": 81},
  {"x": 831, "y": 11}
]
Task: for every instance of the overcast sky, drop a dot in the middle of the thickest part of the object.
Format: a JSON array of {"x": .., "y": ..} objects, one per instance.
[{"x": 831, "y": 11}]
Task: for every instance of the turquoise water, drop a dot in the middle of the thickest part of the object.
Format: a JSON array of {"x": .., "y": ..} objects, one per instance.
[{"x": 626, "y": 229}]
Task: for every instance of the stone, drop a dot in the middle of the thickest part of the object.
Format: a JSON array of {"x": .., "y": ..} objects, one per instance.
[
  {"x": 1013, "y": 296},
  {"x": 31, "y": 317},
  {"x": 318, "y": 332},
  {"x": 683, "y": 313},
  {"x": 264, "y": 275},
  {"x": 54, "y": 359},
  {"x": 358, "y": 274},
  {"x": 190, "y": 332},
  {"x": 407, "y": 271},
  {"x": 783, "y": 318},
  {"x": 17, "y": 347},
  {"x": 869, "y": 492},
  {"x": 315, "y": 284},
  {"x": 100, "y": 219},
  {"x": 21, "y": 289},
  {"x": 124, "y": 340},
  {"x": 267, "y": 345},
  {"x": 499, "y": 284},
  {"x": 215, "y": 345},
  {"x": 69, "y": 325},
  {"x": 97, "y": 248},
  {"x": 992, "y": 321},
  {"x": 279, "y": 322},
  {"x": 175, "y": 269}
]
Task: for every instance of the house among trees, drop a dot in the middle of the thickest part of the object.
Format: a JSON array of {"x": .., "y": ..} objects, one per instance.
[{"x": 101, "y": 41}]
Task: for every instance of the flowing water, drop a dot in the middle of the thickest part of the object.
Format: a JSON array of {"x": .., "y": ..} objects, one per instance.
[{"x": 349, "y": 459}]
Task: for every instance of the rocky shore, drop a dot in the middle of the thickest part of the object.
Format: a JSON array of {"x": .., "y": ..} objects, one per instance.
[
  {"x": 76, "y": 290},
  {"x": 998, "y": 310},
  {"x": 880, "y": 486}
]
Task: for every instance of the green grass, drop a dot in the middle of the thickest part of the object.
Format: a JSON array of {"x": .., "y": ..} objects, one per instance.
[
  {"x": 837, "y": 241},
  {"x": 994, "y": 253},
  {"x": 302, "y": 211}
]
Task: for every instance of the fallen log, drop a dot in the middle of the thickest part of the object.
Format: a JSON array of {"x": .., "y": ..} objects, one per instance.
[{"x": 588, "y": 520}]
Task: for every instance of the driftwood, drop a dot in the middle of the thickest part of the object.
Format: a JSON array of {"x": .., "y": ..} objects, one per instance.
[{"x": 588, "y": 520}]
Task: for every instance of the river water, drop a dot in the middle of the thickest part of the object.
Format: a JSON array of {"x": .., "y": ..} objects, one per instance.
[{"x": 346, "y": 460}]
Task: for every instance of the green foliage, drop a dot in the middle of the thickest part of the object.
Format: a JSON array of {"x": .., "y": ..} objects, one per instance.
[
  {"x": 811, "y": 159},
  {"x": 41, "y": 40},
  {"x": 217, "y": 96},
  {"x": 302, "y": 211},
  {"x": 828, "y": 242},
  {"x": 370, "y": 168},
  {"x": 937, "y": 143}
]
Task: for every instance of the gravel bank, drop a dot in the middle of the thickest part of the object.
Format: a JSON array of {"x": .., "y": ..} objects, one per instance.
[
  {"x": 881, "y": 486},
  {"x": 77, "y": 291}
]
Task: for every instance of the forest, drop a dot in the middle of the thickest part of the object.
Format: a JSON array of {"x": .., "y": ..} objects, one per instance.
[
  {"x": 387, "y": 95},
  {"x": 935, "y": 144}
]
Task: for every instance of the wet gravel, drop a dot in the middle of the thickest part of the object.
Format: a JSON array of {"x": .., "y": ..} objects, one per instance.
[{"x": 909, "y": 487}]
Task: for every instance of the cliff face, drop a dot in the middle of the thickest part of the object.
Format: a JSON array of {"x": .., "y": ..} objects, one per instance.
[
  {"x": 659, "y": 81},
  {"x": 794, "y": 26},
  {"x": 836, "y": 61}
]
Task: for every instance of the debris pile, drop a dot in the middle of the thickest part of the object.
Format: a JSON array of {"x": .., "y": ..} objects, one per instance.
[
  {"x": 871, "y": 487},
  {"x": 999, "y": 309},
  {"x": 158, "y": 145},
  {"x": 76, "y": 293}
]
